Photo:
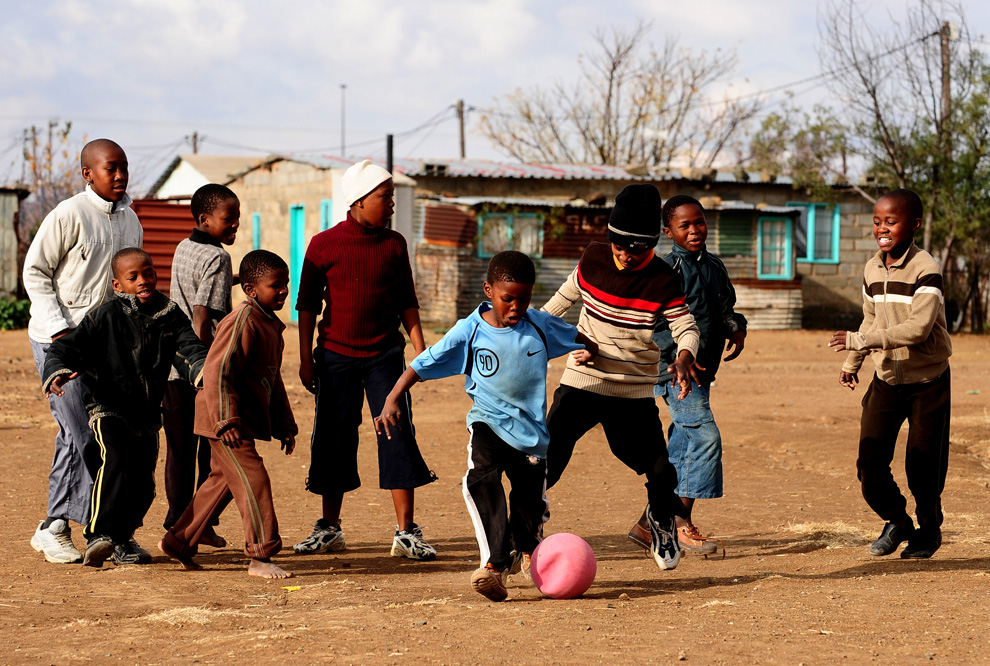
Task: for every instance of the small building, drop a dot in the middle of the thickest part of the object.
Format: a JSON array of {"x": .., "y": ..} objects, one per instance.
[
  {"x": 187, "y": 173},
  {"x": 10, "y": 250},
  {"x": 795, "y": 261}
]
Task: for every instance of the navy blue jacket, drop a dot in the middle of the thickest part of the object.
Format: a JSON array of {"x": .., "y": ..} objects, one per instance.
[{"x": 710, "y": 297}]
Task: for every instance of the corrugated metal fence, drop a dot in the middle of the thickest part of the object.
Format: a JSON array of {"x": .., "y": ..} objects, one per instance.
[{"x": 165, "y": 224}]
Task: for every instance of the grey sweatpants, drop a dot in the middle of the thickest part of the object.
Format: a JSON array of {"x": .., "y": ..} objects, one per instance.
[{"x": 70, "y": 483}]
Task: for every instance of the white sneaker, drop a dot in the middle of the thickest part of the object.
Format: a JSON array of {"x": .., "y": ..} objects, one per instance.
[
  {"x": 325, "y": 538},
  {"x": 56, "y": 543},
  {"x": 410, "y": 543}
]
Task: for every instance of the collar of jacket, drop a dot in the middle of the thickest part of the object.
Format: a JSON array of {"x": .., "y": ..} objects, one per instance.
[
  {"x": 908, "y": 254},
  {"x": 200, "y": 236},
  {"x": 682, "y": 253},
  {"x": 162, "y": 304},
  {"x": 268, "y": 313},
  {"x": 107, "y": 206}
]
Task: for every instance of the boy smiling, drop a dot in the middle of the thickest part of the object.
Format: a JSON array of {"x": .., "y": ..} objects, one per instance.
[
  {"x": 904, "y": 332},
  {"x": 124, "y": 350}
]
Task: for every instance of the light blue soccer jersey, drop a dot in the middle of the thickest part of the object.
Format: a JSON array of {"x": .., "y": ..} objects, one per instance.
[{"x": 506, "y": 372}]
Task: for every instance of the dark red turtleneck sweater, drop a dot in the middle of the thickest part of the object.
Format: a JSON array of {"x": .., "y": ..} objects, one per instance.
[{"x": 363, "y": 276}]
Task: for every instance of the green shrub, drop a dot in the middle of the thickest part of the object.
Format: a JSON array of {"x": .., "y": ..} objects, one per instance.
[{"x": 14, "y": 314}]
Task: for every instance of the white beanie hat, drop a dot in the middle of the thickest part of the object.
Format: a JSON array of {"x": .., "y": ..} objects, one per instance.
[{"x": 360, "y": 179}]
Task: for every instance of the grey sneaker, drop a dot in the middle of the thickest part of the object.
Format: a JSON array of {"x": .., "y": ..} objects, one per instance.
[
  {"x": 56, "y": 543},
  {"x": 130, "y": 552},
  {"x": 99, "y": 548},
  {"x": 326, "y": 538},
  {"x": 410, "y": 543},
  {"x": 664, "y": 543}
]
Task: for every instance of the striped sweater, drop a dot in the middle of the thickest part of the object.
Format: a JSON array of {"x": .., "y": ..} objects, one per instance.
[
  {"x": 903, "y": 325},
  {"x": 621, "y": 309},
  {"x": 242, "y": 378}
]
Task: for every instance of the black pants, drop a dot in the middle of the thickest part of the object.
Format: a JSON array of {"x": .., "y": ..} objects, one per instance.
[
  {"x": 500, "y": 531},
  {"x": 634, "y": 433},
  {"x": 124, "y": 487},
  {"x": 926, "y": 408},
  {"x": 184, "y": 450}
]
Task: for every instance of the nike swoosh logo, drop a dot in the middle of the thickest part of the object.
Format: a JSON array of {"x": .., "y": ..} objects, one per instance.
[{"x": 529, "y": 353}]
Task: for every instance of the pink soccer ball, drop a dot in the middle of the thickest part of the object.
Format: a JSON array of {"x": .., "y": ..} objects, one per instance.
[{"x": 563, "y": 566}]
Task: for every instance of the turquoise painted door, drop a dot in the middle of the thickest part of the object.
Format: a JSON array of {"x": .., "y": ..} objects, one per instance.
[{"x": 297, "y": 252}]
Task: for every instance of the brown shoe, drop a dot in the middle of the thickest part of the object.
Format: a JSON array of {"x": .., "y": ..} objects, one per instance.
[
  {"x": 640, "y": 532},
  {"x": 690, "y": 537},
  {"x": 487, "y": 581}
]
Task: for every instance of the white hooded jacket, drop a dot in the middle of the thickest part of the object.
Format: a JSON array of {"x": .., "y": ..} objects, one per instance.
[{"x": 67, "y": 267}]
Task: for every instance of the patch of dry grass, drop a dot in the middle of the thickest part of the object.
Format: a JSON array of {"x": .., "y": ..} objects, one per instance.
[{"x": 832, "y": 535}]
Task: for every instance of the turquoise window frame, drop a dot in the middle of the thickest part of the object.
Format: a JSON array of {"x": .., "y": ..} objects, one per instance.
[
  {"x": 763, "y": 272},
  {"x": 256, "y": 231},
  {"x": 326, "y": 214},
  {"x": 511, "y": 219},
  {"x": 816, "y": 217},
  {"x": 297, "y": 249}
]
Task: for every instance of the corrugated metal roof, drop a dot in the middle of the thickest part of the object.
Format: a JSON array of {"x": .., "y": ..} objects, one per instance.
[
  {"x": 517, "y": 201},
  {"x": 763, "y": 208},
  {"x": 491, "y": 169}
]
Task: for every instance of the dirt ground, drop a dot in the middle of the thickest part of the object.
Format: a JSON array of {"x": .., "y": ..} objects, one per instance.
[{"x": 797, "y": 584}]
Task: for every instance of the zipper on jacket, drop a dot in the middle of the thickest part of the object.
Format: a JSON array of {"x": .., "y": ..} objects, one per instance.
[{"x": 897, "y": 363}]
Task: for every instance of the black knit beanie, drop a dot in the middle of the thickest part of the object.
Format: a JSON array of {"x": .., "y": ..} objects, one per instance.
[{"x": 636, "y": 222}]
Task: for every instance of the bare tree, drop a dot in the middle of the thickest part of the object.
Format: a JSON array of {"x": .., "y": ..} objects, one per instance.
[{"x": 631, "y": 105}]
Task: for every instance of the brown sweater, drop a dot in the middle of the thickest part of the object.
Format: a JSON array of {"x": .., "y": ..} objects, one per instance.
[
  {"x": 242, "y": 378},
  {"x": 621, "y": 310},
  {"x": 903, "y": 325}
]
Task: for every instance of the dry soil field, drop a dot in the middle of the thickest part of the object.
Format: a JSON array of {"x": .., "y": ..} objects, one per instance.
[{"x": 797, "y": 584}]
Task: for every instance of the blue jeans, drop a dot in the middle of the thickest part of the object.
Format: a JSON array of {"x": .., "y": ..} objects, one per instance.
[
  {"x": 77, "y": 456},
  {"x": 694, "y": 443}
]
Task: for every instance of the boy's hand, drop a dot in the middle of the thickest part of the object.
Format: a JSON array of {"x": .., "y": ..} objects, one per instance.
[
  {"x": 590, "y": 351},
  {"x": 849, "y": 379},
  {"x": 838, "y": 341},
  {"x": 289, "y": 444},
  {"x": 738, "y": 340},
  {"x": 390, "y": 416},
  {"x": 581, "y": 356},
  {"x": 231, "y": 437},
  {"x": 307, "y": 375},
  {"x": 684, "y": 372},
  {"x": 55, "y": 388}
]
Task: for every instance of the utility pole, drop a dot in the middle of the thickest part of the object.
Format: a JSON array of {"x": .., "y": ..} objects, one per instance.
[
  {"x": 944, "y": 129},
  {"x": 343, "y": 125},
  {"x": 195, "y": 142},
  {"x": 459, "y": 106},
  {"x": 388, "y": 153}
]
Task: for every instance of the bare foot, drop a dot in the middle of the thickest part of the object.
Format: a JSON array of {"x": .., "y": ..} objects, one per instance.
[
  {"x": 186, "y": 562},
  {"x": 267, "y": 569},
  {"x": 212, "y": 539}
]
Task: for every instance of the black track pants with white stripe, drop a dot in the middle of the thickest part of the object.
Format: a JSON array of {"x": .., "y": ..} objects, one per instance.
[
  {"x": 500, "y": 528},
  {"x": 124, "y": 486}
]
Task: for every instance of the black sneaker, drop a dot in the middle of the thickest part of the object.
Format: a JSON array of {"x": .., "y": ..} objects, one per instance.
[
  {"x": 664, "y": 546},
  {"x": 130, "y": 552},
  {"x": 892, "y": 536},
  {"x": 98, "y": 549},
  {"x": 922, "y": 545}
]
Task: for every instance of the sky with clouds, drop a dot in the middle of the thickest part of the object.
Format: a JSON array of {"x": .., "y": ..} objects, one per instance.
[{"x": 257, "y": 77}]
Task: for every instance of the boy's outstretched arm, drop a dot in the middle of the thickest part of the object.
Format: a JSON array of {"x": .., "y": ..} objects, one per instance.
[{"x": 389, "y": 418}]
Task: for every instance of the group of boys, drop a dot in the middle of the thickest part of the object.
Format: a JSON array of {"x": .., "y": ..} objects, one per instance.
[{"x": 649, "y": 327}]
